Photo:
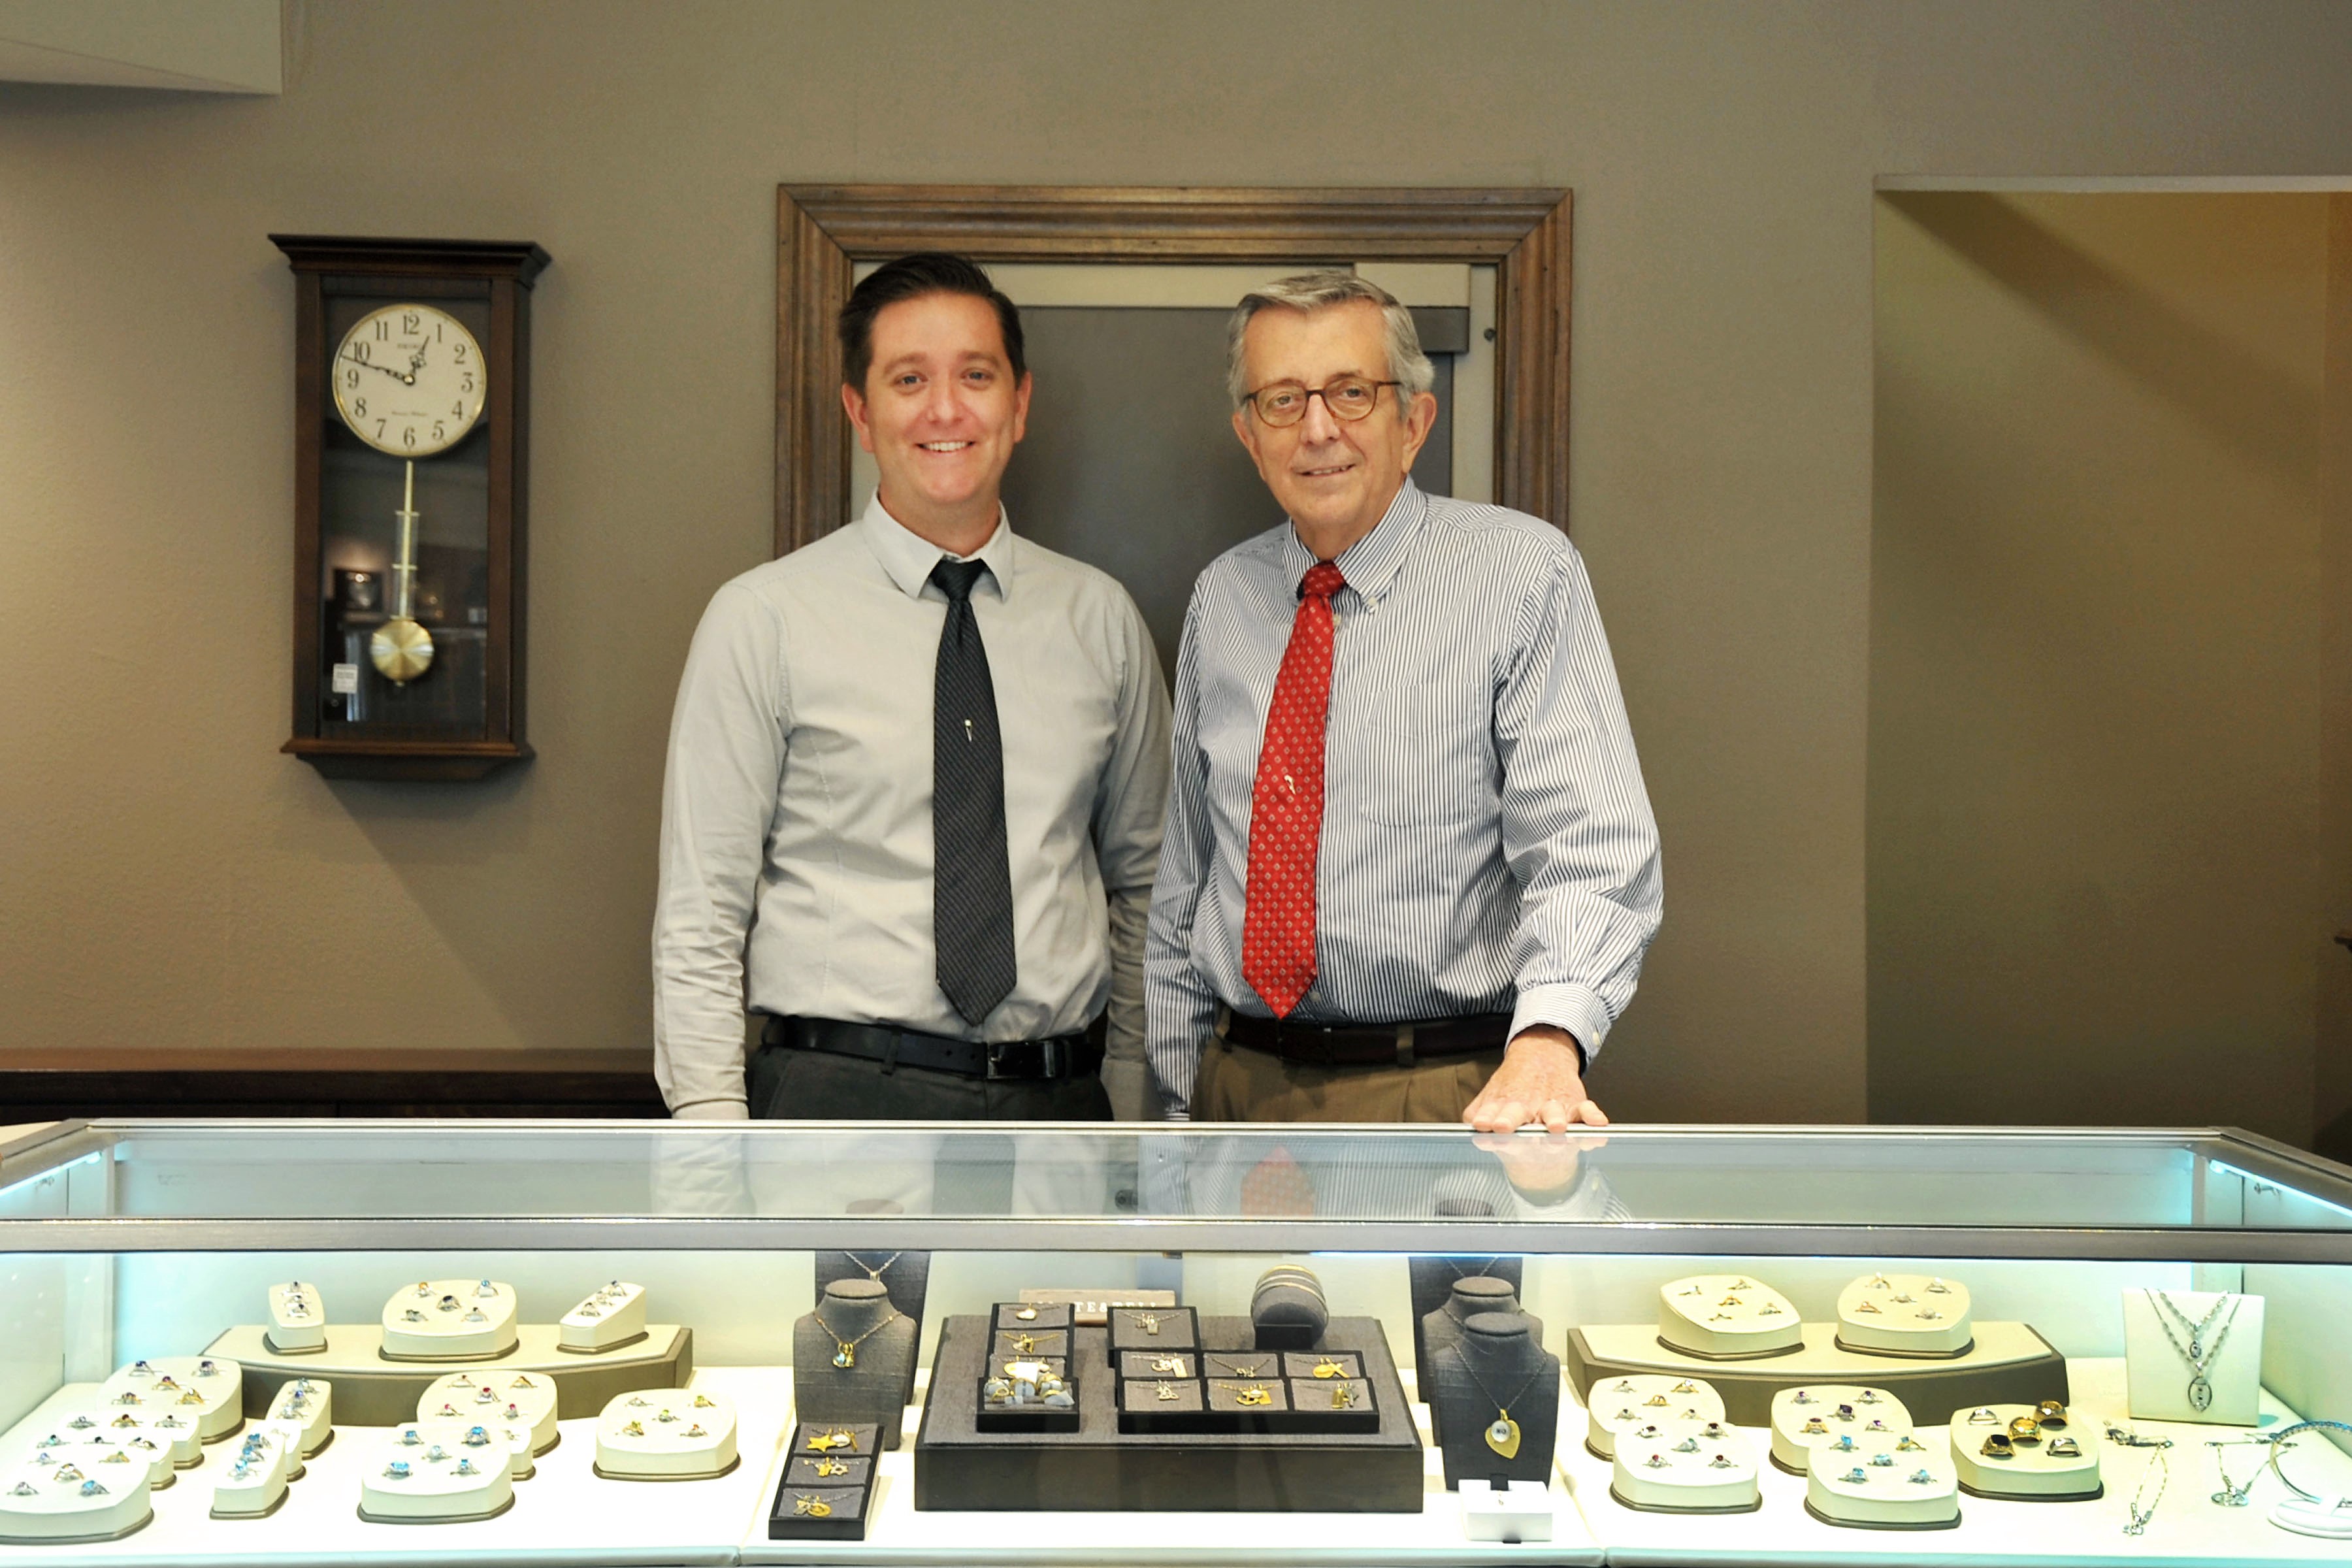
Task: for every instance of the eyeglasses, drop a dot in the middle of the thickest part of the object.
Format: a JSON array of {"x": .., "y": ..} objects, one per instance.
[{"x": 1349, "y": 398}]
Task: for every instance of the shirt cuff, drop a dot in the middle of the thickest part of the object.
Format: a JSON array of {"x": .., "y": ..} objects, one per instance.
[
  {"x": 1565, "y": 1005},
  {"x": 711, "y": 1111}
]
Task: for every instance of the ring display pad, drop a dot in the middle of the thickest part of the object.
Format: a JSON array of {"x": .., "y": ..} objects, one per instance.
[
  {"x": 307, "y": 1405},
  {"x": 514, "y": 1399},
  {"x": 1687, "y": 1466},
  {"x": 74, "y": 1498},
  {"x": 297, "y": 1319},
  {"x": 1880, "y": 1489},
  {"x": 2031, "y": 1473},
  {"x": 449, "y": 1320},
  {"x": 2164, "y": 1381},
  {"x": 1807, "y": 1420},
  {"x": 1726, "y": 1317},
  {"x": 1904, "y": 1315},
  {"x": 827, "y": 1487},
  {"x": 435, "y": 1472},
  {"x": 101, "y": 1454},
  {"x": 614, "y": 1315},
  {"x": 373, "y": 1391},
  {"x": 205, "y": 1390},
  {"x": 665, "y": 1437},
  {"x": 1627, "y": 1403},
  {"x": 2009, "y": 1362},
  {"x": 1245, "y": 1466},
  {"x": 254, "y": 1484},
  {"x": 176, "y": 1435}
]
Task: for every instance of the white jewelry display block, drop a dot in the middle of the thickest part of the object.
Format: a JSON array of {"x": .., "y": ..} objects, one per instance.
[
  {"x": 104, "y": 1456},
  {"x": 1626, "y": 1404},
  {"x": 2160, "y": 1379},
  {"x": 1807, "y": 1419},
  {"x": 665, "y": 1434},
  {"x": 1687, "y": 1467},
  {"x": 436, "y": 1472},
  {"x": 307, "y": 1404},
  {"x": 1905, "y": 1314},
  {"x": 297, "y": 1319},
  {"x": 253, "y": 1483},
  {"x": 67, "y": 1500},
  {"x": 207, "y": 1390},
  {"x": 522, "y": 1399},
  {"x": 2032, "y": 1470},
  {"x": 614, "y": 1315},
  {"x": 178, "y": 1436},
  {"x": 435, "y": 1320},
  {"x": 1728, "y": 1316},
  {"x": 1514, "y": 1512},
  {"x": 2330, "y": 1519},
  {"x": 1882, "y": 1488}
]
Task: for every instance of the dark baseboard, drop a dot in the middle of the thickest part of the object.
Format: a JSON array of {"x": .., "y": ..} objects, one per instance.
[{"x": 49, "y": 1085}]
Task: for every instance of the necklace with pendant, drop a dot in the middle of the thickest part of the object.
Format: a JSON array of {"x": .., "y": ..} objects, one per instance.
[
  {"x": 2195, "y": 1353},
  {"x": 874, "y": 1272},
  {"x": 1484, "y": 1270},
  {"x": 1502, "y": 1433},
  {"x": 845, "y": 1354}
]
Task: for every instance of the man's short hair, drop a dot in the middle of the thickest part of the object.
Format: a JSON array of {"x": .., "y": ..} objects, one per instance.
[
  {"x": 913, "y": 277},
  {"x": 1408, "y": 366}
]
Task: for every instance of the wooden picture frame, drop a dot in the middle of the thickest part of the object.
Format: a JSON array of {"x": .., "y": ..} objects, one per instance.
[{"x": 822, "y": 232}]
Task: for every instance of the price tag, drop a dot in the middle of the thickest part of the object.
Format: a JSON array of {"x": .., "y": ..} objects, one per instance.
[{"x": 347, "y": 679}]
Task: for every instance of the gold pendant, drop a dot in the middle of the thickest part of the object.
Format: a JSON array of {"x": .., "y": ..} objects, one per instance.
[
  {"x": 1329, "y": 1368},
  {"x": 1027, "y": 1314},
  {"x": 831, "y": 1467},
  {"x": 815, "y": 1507},
  {"x": 1254, "y": 1396},
  {"x": 1503, "y": 1435},
  {"x": 836, "y": 1438},
  {"x": 845, "y": 1357},
  {"x": 1024, "y": 1343}
]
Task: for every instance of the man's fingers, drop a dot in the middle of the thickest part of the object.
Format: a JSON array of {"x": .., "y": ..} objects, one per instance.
[
  {"x": 1555, "y": 1115},
  {"x": 1594, "y": 1116}
]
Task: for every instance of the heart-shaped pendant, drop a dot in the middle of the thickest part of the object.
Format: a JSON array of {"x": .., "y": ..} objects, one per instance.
[
  {"x": 1503, "y": 1435},
  {"x": 845, "y": 1357}
]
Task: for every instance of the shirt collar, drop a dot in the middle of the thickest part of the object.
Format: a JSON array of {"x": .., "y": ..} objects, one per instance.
[
  {"x": 908, "y": 557},
  {"x": 1370, "y": 564}
]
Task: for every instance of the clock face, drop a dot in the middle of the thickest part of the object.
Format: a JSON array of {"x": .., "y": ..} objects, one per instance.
[{"x": 409, "y": 380}]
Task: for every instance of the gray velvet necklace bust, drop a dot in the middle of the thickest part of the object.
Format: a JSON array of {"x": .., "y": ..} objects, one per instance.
[
  {"x": 1494, "y": 1363},
  {"x": 852, "y": 1358}
]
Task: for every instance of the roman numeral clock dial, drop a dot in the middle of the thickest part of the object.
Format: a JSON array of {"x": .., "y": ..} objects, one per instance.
[{"x": 410, "y": 381}]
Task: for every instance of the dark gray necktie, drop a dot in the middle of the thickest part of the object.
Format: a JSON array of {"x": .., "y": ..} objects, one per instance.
[{"x": 971, "y": 883}]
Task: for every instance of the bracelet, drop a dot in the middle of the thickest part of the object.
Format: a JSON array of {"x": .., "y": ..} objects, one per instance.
[{"x": 2277, "y": 1440}]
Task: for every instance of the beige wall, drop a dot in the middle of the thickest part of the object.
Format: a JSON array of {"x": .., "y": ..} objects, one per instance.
[
  {"x": 165, "y": 876},
  {"x": 2095, "y": 705}
]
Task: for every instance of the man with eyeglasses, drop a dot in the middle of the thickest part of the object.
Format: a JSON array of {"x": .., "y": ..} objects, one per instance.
[{"x": 1411, "y": 870}]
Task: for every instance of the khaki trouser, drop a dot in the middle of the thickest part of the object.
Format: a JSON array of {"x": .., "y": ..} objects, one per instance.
[{"x": 1237, "y": 1084}]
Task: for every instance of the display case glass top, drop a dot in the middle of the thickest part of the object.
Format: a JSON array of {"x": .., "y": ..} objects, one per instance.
[{"x": 2181, "y": 1194}]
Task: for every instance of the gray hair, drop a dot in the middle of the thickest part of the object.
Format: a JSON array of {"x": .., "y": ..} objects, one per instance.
[{"x": 1408, "y": 366}]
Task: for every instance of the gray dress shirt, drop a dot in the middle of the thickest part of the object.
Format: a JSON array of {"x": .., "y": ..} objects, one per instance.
[
  {"x": 1487, "y": 843},
  {"x": 797, "y": 808}
]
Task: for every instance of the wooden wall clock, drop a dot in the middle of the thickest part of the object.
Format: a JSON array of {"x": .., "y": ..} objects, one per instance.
[{"x": 412, "y": 364}]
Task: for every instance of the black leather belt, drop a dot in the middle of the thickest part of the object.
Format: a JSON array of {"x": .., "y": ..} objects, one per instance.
[
  {"x": 1366, "y": 1045},
  {"x": 1064, "y": 1056}
]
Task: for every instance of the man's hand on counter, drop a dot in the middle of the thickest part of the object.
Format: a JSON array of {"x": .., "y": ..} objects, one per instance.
[{"x": 1539, "y": 1081}]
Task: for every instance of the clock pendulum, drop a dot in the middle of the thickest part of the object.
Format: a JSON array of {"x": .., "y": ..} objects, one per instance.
[{"x": 403, "y": 649}]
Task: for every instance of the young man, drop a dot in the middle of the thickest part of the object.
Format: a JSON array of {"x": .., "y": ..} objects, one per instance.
[
  {"x": 1411, "y": 870},
  {"x": 916, "y": 776}
]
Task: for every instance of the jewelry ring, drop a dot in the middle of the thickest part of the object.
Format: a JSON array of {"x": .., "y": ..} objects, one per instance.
[
  {"x": 2025, "y": 1429},
  {"x": 2051, "y": 1415},
  {"x": 1997, "y": 1447},
  {"x": 2065, "y": 1448},
  {"x": 1983, "y": 1417}
]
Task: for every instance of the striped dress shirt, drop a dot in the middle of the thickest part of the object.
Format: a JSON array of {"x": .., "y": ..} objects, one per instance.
[{"x": 1487, "y": 844}]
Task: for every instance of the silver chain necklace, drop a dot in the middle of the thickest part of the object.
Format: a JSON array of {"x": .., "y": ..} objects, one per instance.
[
  {"x": 1502, "y": 1434},
  {"x": 2232, "y": 1494},
  {"x": 2140, "y": 1516},
  {"x": 2201, "y": 1393}
]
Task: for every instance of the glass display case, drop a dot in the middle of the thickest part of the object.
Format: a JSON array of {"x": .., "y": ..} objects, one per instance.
[{"x": 436, "y": 1342}]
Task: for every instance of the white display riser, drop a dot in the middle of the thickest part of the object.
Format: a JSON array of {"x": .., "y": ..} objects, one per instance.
[
  {"x": 565, "y": 1514},
  {"x": 2190, "y": 1530}
]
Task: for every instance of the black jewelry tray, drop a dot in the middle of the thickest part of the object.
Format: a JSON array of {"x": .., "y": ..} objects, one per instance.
[{"x": 1100, "y": 1468}]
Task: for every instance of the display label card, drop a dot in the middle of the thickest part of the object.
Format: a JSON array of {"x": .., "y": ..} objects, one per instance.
[{"x": 346, "y": 680}]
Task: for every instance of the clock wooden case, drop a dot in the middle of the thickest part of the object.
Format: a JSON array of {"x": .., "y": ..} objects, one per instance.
[{"x": 412, "y": 400}]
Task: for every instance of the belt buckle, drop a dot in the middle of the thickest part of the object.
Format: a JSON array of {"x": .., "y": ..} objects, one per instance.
[{"x": 1042, "y": 1057}]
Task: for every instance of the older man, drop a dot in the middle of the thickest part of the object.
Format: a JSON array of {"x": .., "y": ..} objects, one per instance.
[{"x": 1411, "y": 870}]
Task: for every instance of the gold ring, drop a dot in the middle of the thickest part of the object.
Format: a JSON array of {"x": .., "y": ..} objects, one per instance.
[
  {"x": 2025, "y": 1429},
  {"x": 2051, "y": 1415},
  {"x": 1997, "y": 1447}
]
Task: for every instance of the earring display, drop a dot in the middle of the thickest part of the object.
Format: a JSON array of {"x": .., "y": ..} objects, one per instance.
[
  {"x": 207, "y": 1391},
  {"x": 1687, "y": 1466},
  {"x": 1809, "y": 1420},
  {"x": 840, "y": 1460},
  {"x": 449, "y": 1320},
  {"x": 2193, "y": 1355},
  {"x": 255, "y": 1482},
  {"x": 297, "y": 1319},
  {"x": 1621, "y": 1405},
  {"x": 614, "y": 1315},
  {"x": 2035, "y": 1453},
  {"x": 516, "y": 1399},
  {"x": 76, "y": 1491},
  {"x": 667, "y": 1435},
  {"x": 1726, "y": 1317},
  {"x": 307, "y": 1405},
  {"x": 1880, "y": 1484},
  {"x": 1029, "y": 1396},
  {"x": 1906, "y": 1315},
  {"x": 436, "y": 1472}
]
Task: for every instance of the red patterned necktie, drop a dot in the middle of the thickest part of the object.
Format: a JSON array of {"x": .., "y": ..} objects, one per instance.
[{"x": 1286, "y": 807}]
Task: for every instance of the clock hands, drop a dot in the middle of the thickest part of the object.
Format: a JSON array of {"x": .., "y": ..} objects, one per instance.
[{"x": 408, "y": 377}]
